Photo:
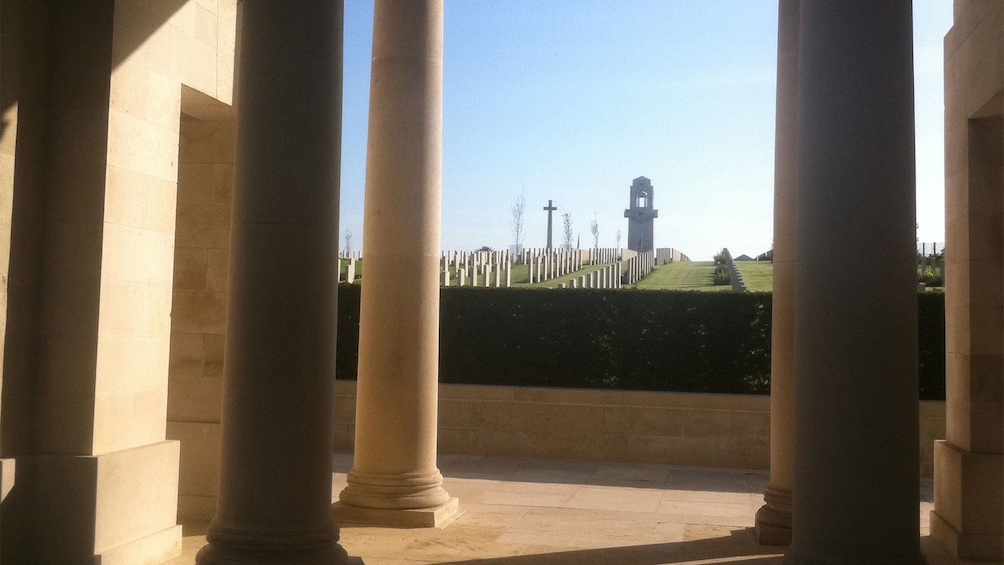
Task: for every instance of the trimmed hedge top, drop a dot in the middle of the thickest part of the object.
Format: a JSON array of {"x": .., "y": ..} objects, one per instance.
[{"x": 618, "y": 339}]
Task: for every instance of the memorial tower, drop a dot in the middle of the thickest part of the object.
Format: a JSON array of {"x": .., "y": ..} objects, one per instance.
[{"x": 640, "y": 215}]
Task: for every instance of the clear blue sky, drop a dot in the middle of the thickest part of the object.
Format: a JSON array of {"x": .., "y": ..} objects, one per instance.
[{"x": 572, "y": 99}]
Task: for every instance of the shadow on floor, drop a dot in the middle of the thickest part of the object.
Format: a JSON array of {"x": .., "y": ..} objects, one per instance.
[
  {"x": 738, "y": 548},
  {"x": 593, "y": 473}
]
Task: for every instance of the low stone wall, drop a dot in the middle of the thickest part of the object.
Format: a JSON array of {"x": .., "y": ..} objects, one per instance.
[{"x": 706, "y": 430}]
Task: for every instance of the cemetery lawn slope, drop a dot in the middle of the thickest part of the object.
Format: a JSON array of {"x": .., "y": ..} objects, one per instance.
[
  {"x": 567, "y": 279},
  {"x": 685, "y": 275},
  {"x": 758, "y": 275},
  {"x": 519, "y": 274}
]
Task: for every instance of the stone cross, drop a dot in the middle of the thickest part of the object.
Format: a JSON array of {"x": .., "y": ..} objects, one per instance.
[{"x": 550, "y": 208}]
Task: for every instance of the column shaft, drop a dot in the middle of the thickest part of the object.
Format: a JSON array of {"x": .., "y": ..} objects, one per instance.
[
  {"x": 855, "y": 480},
  {"x": 394, "y": 466},
  {"x": 277, "y": 419},
  {"x": 773, "y": 520}
]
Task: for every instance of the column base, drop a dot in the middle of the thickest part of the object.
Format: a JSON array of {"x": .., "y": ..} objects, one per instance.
[
  {"x": 793, "y": 559},
  {"x": 394, "y": 491},
  {"x": 435, "y": 517},
  {"x": 968, "y": 503},
  {"x": 229, "y": 547},
  {"x": 773, "y": 519}
]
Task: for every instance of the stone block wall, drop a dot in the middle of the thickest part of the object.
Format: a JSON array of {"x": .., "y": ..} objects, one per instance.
[
  {"x": 968, "y": 517},
  {"x": 91, "y": 99},
  {"x": 705, "y": 430},
  {"x": 198, "y": 313}
]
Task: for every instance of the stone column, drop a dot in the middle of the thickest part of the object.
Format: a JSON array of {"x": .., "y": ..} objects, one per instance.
[
  {"x": 855, "y": 459},
  {"x": 394, "y": 479},
  {"x": 773, "y": 520},
  {"x": 279, "y": 376}
]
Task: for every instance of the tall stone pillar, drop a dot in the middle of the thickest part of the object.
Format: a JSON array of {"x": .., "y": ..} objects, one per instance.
[
  {"x": 856, "y": 459},
  {"x": 394, "y": 479},
  {"x": 773, "y": 520},
  {"x": 277, "y": 419}
]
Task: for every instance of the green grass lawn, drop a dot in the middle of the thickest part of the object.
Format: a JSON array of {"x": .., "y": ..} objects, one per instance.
[
  {"x": 686, "y": 275},
  {"x": 553, "y": 283},
  {"x": 758, "y": 275},
  {"x": 519, "y": 275}
]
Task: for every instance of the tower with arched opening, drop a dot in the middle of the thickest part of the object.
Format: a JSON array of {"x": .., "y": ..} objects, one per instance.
[{"x": 640, "y": 215}]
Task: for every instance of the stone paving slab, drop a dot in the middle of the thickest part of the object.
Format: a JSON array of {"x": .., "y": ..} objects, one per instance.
[{"x": 521, "y": 511}]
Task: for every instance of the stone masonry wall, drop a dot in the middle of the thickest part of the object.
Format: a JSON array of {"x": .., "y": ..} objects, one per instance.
[
  {"x": 198, "y": 314},
  {"x": 706, "y": 430}
]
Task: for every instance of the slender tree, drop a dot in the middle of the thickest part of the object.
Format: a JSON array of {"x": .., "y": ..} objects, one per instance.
[
  {"x": 594, "y": 228},
  {"x": 516, "y": 224},
  {"x": 348, "y": 243}
]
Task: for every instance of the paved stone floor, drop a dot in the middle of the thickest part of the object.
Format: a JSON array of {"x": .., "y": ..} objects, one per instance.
[{"x": 550, "y": 512}]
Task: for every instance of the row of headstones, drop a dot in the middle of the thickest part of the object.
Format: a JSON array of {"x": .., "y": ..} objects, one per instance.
[
  {"x": 639, "y": 267},
  {"x": 935, "y": 263},
  {"x": 546, "y": 264},
  {"x": 464, "y": 259},
  {"x": 487, "y": 275},
  {"x": 603, "y": 255},
  {"x": 664, "y": 255},
  {"x": 735, "y": 279},
  {"x": 479, "y": 268},
  {"x": 608, "y": 276},
  {"x": 930, "y": 248},
  {"x": 350, "y": 270}
]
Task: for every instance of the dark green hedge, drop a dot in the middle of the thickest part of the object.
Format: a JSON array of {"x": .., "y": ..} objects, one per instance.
[
  {"x": 636, "y": 340},
  {"x": 931, "y": 328}
]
